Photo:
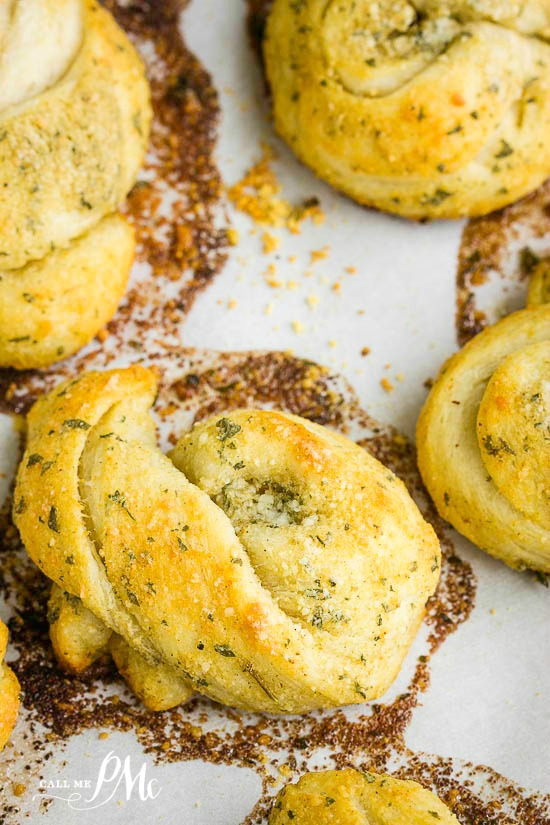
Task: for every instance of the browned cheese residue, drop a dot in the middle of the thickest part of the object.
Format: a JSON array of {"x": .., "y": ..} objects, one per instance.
[
  {"x": 186, "y": 112},
  {"x": 484, "y": 249},
  {"x": 258, "y": 11}
]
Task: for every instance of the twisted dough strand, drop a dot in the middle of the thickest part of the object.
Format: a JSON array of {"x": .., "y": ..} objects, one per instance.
[{"x": 271, "y": 564}]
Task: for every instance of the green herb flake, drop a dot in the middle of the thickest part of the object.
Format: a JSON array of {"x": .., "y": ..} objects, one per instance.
[
  {"x": 132, "y": 596},
  {"x": 227, "y": 429},
  {"x": 224, "y": 650},
  {"x": 370, "y": 777},
  {"x": 437, "y": 198},
  {"x": 317, "y": 618},
  {"x": 505, "y": 150},
  {"x": 76, "y": 424},
  {"x": 118, "y": 498},
  {"x": 358, "y": 689},
  {"x": 53, "y": 614},
  {"x": 498, "y": 446},
  {"x": 52, "y": 520}
]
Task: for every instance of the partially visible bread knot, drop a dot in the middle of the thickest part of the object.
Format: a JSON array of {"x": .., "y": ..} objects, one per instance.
[
  {"x": 269, "y": 563},
  {"x": 350, "y": 797},
  {"x": 484, "y": 440},
  {"x": 9, "y": 692},
  {"x": 74, "y": 126},
  {"x": 434, "y": 108}
]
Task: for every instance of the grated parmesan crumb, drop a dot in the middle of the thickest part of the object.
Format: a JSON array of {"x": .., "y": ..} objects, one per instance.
[
  {"x": 232, "y": 236},
  {"x": 270, "y": 243}
]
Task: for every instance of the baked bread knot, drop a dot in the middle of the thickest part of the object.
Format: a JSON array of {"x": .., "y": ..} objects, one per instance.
[
  {"x": 350, "y": 797},
  {"x": 74, "y": 128},
  {"x": 430, "y": 108},
  {"x": 268, "y": 563},
  {"x": 484, "y": 440},
  {"x": 9, "y": 691}
]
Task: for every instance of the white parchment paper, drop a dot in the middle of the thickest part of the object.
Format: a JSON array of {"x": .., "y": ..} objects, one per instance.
[{"x": 488, "y": 698}]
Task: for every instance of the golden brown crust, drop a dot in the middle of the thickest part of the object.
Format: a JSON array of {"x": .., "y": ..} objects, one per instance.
[
  {"x": 9, "y": 692},
  {"x": 51, "y": 308},
  {"x": 426, "y": 109},
  {"x": 350, "y": 797},
  {"x": 298, "y": 583},
  {"x": 483, "y": 440}
]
